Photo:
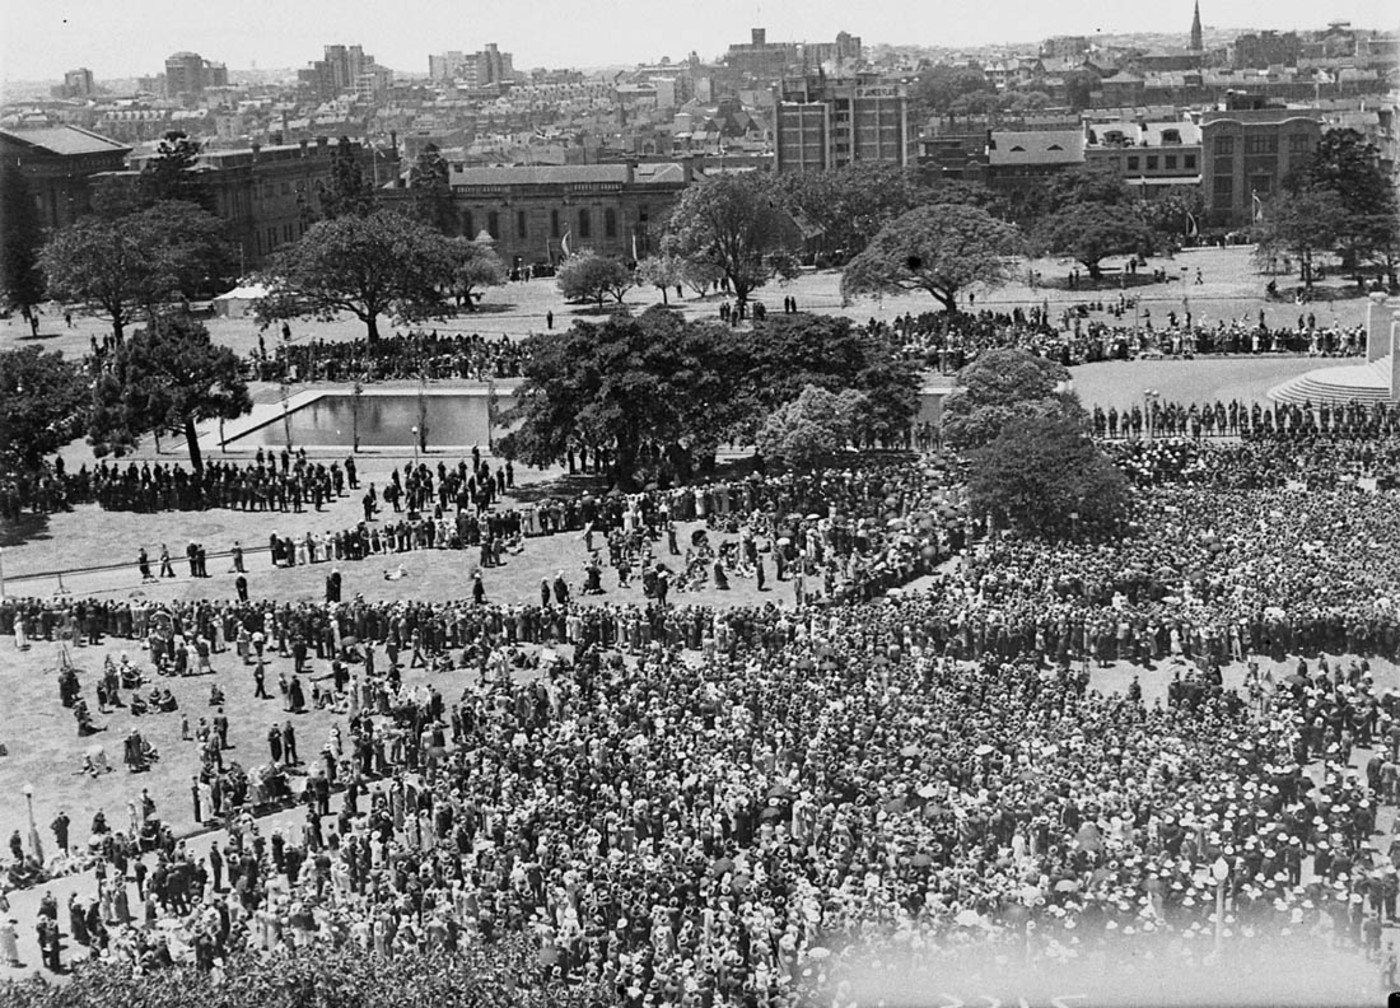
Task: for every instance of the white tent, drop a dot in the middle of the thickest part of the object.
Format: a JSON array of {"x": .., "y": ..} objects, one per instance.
[{"x": 238, "y": 303}]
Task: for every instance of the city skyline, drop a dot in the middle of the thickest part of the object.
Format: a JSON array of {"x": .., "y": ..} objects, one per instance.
[{"x": 134, "y": 39}]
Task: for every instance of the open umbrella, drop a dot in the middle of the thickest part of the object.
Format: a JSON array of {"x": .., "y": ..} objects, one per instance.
[
  {"x": 818, "y": 952},
  {"x": 967, "y": 918},
  {"x": 921, "y": 860},
  {"x": 770, "y": 813},
  {"x": 721, "y": 866},
  {"x": 985, "y": 749},
  {"x": 912, "y": 749}
]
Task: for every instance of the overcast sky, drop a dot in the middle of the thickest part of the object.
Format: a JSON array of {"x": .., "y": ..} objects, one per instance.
[{"x": 124, "y": 38}]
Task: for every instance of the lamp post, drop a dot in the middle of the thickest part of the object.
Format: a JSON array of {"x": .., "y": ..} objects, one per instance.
[
  {"x": 1220, "y": 871},
  {"x": 414, "y": 431},
  {"x": 33, "y": 826}
]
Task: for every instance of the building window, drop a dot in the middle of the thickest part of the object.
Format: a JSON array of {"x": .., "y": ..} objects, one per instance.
[
  {"x": 1224, "y": 190},
  {"x": 1261, "y": 185},
  {"x": 585, "y": 224},
  {"x": 1265, "y": 144},
  {"x": 554, "y": 223},
  {"x": 1171, "y": 136},
  {"x": 286, "y": 232},
  {"x": 1169, "y": 162},
  {"x": 286, "y": 188},
  {"x": 271, "y": 238},
  {"x": 1152, "y": 162},
  {"x": 1225, "y": 145},
  {"x": 1133, "y": 164},
  {"x": 493, "y": 224},
  {"x": 520, "y": 229},
  {"x": 1190, "y": 162},
  {"x": 1224, "y": 166},
  {"x": 1299, "y": 143},
  {"x": 609, "y": 223},
  {"x": 468, "y": 227}
]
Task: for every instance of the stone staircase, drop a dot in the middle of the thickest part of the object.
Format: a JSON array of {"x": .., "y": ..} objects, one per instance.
[{"x": 1360, "y": 383}]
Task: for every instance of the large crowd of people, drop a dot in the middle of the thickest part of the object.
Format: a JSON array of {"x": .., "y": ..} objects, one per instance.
[
  {"x": 695, "y": 804},
  {"x": 412, "y": 355}
]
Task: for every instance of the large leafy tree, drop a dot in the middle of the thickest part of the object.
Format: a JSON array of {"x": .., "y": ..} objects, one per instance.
[
  {"x": 430, "y": 183},
  {"x": 588, "y": 276},
  {"x": 42, "y": 400},
  {"x": 814, "y": 426},
  {"x": 385, "y": 264},
  {"x": 790, "y": 352},
  {"x": 1301, "y": 224},
  {"x": 940, "y": 249},
  {"x": 167, "y": 376},
  {"x": 998, "y": 386},
  {"x": 852, "y": 203},
  {"x": 474, "y": 265},
  {"x": 655, "y": 380},
  {"x": 662, "y": 272},
  {"x": 1045, "y": 476},
  {"x": 171, "y": 174},
  {"x": 737, "y": 226},
  {"x": 21, "y": 237},
  {"x": 137, "y": 263},
  {"x": 1366, "y": 221},
  {"x": 348, "y": 193},
  {"x": 1091, "y": 232}
]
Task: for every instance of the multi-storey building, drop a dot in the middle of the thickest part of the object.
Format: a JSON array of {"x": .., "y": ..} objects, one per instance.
[
  {"x": 766, "y": 60},
  {"x": 821, "y": 123},
  {"x": 344, "y": 70},
  {"x": 540, "y": 214},
  {"x": 59, "y": 163},
  {"x": 76, "y": 84},
  {"x": 1153, "y": 157},
  {"x": 187, "y": 74},
  {"x": 1245, "y": 155}
]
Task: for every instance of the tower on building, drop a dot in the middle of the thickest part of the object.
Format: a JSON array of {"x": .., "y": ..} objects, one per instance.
[{"x": 1196, "y": 43}]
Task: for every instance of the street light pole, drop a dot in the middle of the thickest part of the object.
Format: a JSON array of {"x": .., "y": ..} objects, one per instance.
[
  {"x": 1220, "y": 871},
  {"x": 33, "y": 826}
]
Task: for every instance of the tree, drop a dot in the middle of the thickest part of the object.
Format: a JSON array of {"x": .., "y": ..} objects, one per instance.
[
  {"x": 167, "y": 376},
  {"x": 852, "y": 203},
  {"x": 1045, "y": 476},
  {"x": 588, "y": 276},
  {"x": 1091, "y": 232},
  {"x": 789, "y": 352},
  {"x": 382, "y": 264},
  {"x": 171, "y": 175},
  {"x": 1096, "y": 182},
  {"x": 998, "y": 386},
  {"x": 140, "y": 262},
  {"x": 348, "y": 194},
  {"x": 43, "y": 397},
  {"x": 662, "y": 272},
  {"x": 21, "y": 237},
  {"x": 939, "y": 88},
  {"x": 1174, "y": 214},
  {"x": 1367, "y": 224},
  {"x": 474, "y": 265},
  {"x": 429, "y": 180},
  {"x": 940, "y": 249},
  {"x": 737, "y": 225},
  {"x": 655, "y": 380},
  {"x": 812, "y": 427},
  {"x": 1299, "y": 224}
]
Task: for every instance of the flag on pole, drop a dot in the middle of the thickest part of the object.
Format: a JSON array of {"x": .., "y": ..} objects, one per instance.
[
  {"x": 1258, "y": 207},
  {"x": 634, "y": 246},
  {"x": 1191, "y": 229},
  {"x": 564, "y": 242}
]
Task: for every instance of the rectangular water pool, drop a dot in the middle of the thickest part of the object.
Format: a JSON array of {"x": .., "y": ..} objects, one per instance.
[{"x": 385, "y": 420}]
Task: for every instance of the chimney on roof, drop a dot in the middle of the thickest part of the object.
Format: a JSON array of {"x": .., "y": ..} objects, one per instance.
[
  {"x": 304, "y": 145},
  {"x": 257, "y": 149},
  {"x": 759, "y": 35}
]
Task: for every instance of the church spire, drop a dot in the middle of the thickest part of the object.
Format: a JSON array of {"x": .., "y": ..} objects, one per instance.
[{"x": 1196, "y": 43}]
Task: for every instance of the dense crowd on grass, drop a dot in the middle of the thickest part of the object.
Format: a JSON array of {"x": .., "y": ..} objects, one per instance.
[
  {"x": 696, "y": 805},
  {"x": 1099, "y": 331},
  {"x": 411, "y": 355}
]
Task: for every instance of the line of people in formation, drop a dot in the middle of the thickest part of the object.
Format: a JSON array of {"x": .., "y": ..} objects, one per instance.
[
  {"x": 1248, "y": 420},
  {"x": 1314, "y": 462},
  {"x": 412, "y": 355},
  {"x": 947, "y": 341},
  {"x": 260, "y": 485},
  {"x": 818, "y": 787}
]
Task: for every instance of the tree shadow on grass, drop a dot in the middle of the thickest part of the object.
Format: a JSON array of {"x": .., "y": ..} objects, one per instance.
[{"x": 24, "y": 529}]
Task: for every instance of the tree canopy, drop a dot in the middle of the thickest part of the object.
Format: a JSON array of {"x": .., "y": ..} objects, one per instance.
[
  {"x": 384, "y": 264},
  {"x": 474, "y": 265},
  {"x": 167, "y": 376},
  {"x": 738, "y": 226},
  {"x": 139, "y": 262},
  {"x": 171, "y": 175},
  {"x": 587, "y": 276},
  {"x": 812, "y": 427},
  {"x": 429, "y": 180},
  {"x": 348, "y": 193},
  {"x": 662, "y": 272},
  {"x": 852, "y": 203},
  {"x": 997, "y": 386},
  {"x": 655, "y": 381},
  {"x": 1300, "y": 224},
  {"x": 1091, "y": 232},
  {"x": 1045, "y": 476},
  {"x": 43, "y": 399},
  {"x": 21, "y": 238},
  {"x": 940, "y": 249}
]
